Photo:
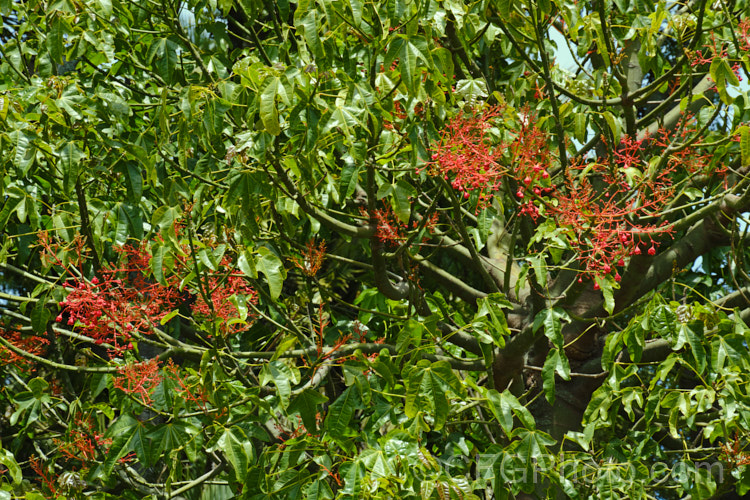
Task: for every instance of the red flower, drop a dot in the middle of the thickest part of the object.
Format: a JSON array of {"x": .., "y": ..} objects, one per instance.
[
  {"x": 312, "y": 258},
  {"x": 465, "y": 154},
  {"x": 139, "y": 379}
]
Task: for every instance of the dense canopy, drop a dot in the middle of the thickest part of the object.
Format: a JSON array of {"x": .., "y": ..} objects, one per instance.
[{"x": 385, "y": 249}]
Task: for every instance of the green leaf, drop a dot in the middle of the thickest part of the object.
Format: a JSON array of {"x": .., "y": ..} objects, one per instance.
[
  {"x": 163, "y": 55},
  {"x": 552, "y": 320},
  {"x": 205, "y": 255},
  {"x": 70, "y": 158},
  {"x": 635, "y": 341},
  {"x": 556, "y": 362},
  {"x": 281, "y": 376},
  {"x": 105, "y": 8},
  {"x": 356, "y": 7},
  {"x": 4, "y": 105},
  {"x": 410, "y": 334},
  {"x": 745, "y": 145},
  {"x": 246, "y": 264},
  {"x": 308, "y": 25},
  {"x": 25, "y": 151},
  {"x": 505, "y": 8},
  {"x": 703, "y": 483},
  {"x": 349, "y": 179},
  {"x": 72, "y": 102},
  {"x": 237, "y": 449},
  {"x": 491, "y": 308},
  {"x": 165, "y": 438},
  {"x": 319, "y": 490},
  {"x": 9, "y": 462},
  {"x": 601, "y": 46},
  {"x": 531, "y": 448},
  {"x": 722, "y": 74},
  {"x": 410, "y": 50},
  {"x": 694, "y": 333},
  {"x": 272, "y": 268},
  {"x": 383, "y": 366},
  {"x": 402, "y": 191},
  {"x": 539, "y": 265},
  {"x": 306, "y": 404},
  {"x": 354, "y": 479},
  {"x": 39, "y": 387},
  {"x": 606, "y": 286},
  {"x": 40, "y": 317},
  {"x": 122, "y": 433},
  {"x": 269, "y": 113},
  {"x": 345, "y": 119},
  {"x": 426, "y": 388},
  {"x": 168, "y": 317},
  {"x": 614, "y": 126},
  {"x": 164, "y": 216},
  {"x": 580, "y": 127},
  {"x": 134, "y": 182},
  {"x": 611, "y": 349},
  {"x": 341, "y": 411},
  {"x": 471, "y": 90},
  {"x": 502, "y": 406},
  {"x": 55, "y": 43}
]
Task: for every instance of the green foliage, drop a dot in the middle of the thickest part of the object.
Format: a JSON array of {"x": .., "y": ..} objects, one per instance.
[{"x": 387, "y": 249}]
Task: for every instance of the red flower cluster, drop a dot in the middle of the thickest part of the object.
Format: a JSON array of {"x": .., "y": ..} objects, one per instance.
[
  {"x": 689, "y": 158},
  {"x": 221, "y": 309},
  {"x": 465, "y": 156},
  {"x": 530, "y": 156},
  {"x": 195, "y": 393},
  {"x": 32, "y": 344},
  {"x": 389, "y": 229},
  {"x": 743, "y": 34},
  {"x": 122, "y": 302},
  {"x": 312, "y": 258},
  {"x": 599, "y": 218},
  {"x": 707, "y": 54},
  {"x": 83, "y": 442},
  {"x": 733, "y": 455},
  {"x": 139, "y": 379},
  {"x": 46, "y": 477}
]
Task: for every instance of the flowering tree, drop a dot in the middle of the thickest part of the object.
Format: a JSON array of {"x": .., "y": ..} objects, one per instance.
[{"x": 386, "y": 249}]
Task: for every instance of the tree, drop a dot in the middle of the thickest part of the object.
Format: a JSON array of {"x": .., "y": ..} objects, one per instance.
[{"x": 386, "y": 249}]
